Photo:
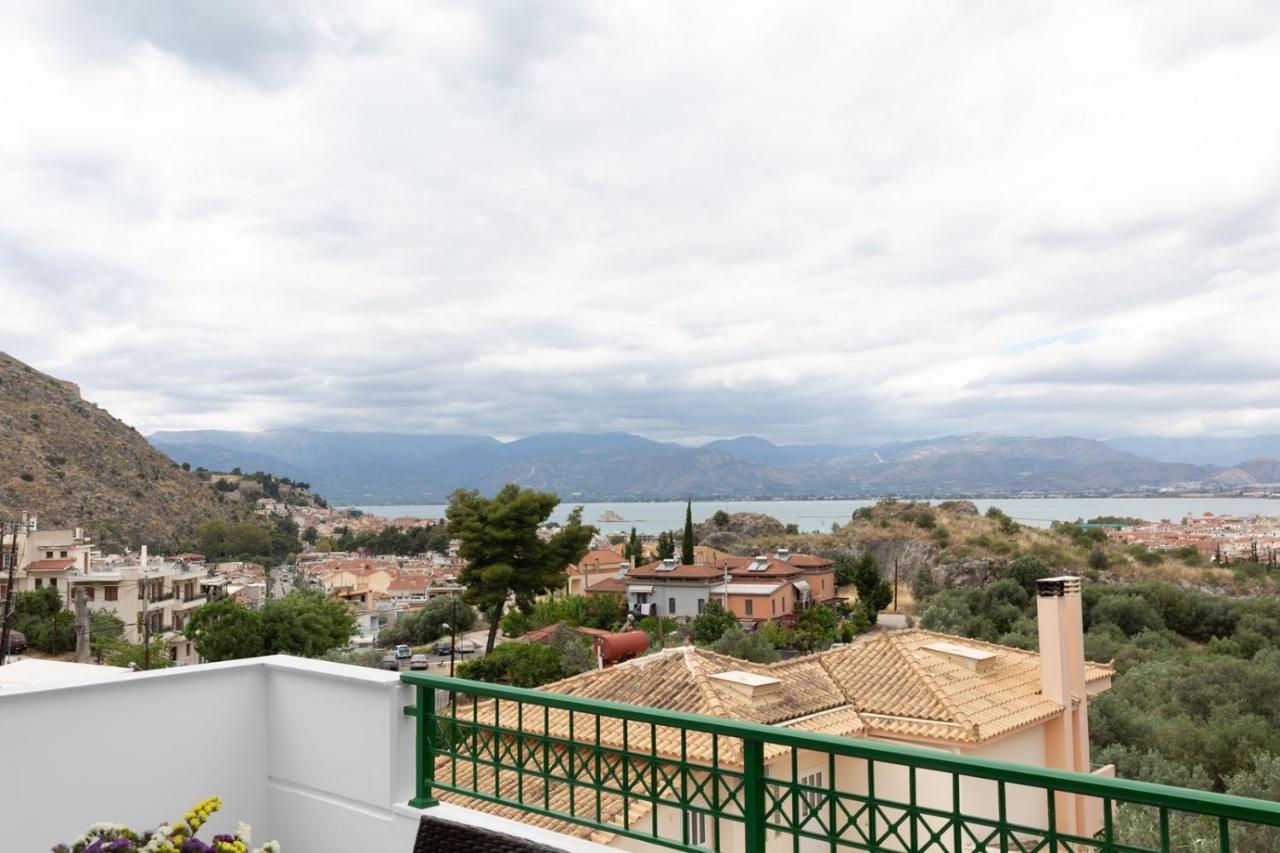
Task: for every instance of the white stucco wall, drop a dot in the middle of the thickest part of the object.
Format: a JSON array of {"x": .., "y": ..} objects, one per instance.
[{"x": 316, "y": 755}]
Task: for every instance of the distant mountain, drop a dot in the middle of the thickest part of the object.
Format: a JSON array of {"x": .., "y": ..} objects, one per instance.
[
  {"x": 1200, "y": 451},
  {"x": 397, "y": 468},
  {"x": 74, "y": 465}
]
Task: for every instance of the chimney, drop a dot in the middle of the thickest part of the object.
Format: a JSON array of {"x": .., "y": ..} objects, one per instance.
[
  {"x": 752, "y": 685},
  {"x": 1061, "y": 623},
  {"x": 1062, "y": 681}
]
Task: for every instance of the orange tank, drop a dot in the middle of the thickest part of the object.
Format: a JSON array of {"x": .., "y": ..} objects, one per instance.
[{"x": 615, "y": 648}]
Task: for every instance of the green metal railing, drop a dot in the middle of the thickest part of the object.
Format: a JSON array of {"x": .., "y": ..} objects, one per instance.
[{"x": 691, "y": 782}]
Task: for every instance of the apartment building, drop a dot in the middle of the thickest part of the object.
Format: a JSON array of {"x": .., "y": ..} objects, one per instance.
[{"x": 43, "y": 557}]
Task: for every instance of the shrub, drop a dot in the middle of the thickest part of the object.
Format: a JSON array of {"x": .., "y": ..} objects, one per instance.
[{"x": 746, "y": 645}]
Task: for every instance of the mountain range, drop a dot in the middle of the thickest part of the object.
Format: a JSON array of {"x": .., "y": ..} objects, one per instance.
[{"x": 390, "y": 468}]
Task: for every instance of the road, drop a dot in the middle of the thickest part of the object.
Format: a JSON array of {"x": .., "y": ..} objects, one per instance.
[{"x": 440, "y": 663}]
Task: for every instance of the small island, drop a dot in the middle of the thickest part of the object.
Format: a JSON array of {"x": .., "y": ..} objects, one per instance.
[{"x": 610, "y": 516}]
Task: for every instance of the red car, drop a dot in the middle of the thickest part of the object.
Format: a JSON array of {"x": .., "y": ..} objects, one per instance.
[{"x": 17, "y": 642}]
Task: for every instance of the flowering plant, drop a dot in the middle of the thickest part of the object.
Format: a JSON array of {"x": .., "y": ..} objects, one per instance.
[{"x": 177, "y": 837}]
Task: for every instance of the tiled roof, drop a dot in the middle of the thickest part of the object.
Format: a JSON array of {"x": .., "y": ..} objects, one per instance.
[
  {"x": 655, "y": 570},
  {"x": 614, "y": 584},
  {"x": 598, "y": 560},
  {"x": 50, "y": 565},
  {"x": 889, "y": 685},
  {"x": 541, "y": 635},
  {"x": 902, "y": 688}
]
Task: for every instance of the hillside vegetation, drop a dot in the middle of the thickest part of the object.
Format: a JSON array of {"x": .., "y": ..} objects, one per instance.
[
  {"x": 73, "y": 464},
  {"x": 954, "y": 545}
]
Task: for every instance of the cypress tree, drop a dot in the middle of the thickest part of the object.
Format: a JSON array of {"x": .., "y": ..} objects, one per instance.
[{"x": 686, "y": 544}]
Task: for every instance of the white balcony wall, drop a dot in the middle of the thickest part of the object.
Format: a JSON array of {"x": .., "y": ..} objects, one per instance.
[{"x": 318, "y": 756}]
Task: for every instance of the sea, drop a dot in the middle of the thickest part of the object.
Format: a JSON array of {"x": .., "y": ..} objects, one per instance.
[{"x": 819, "y": 515}]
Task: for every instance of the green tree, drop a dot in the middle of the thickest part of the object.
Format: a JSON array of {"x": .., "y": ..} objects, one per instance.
[
  {"x": 843, "y": 565},
  {"x": 710, "y": 625},
  {"x": 745, "y": 645},
  {"x": 306, "y": 623},
  {"x": 122, "y": 653},
  {"x": 504, "y": 553},
  {"x": 686, "y": 541},
  {"x": 816, "y": 628},
  {"x": 426, "y": 624},
  {"x": 720, "y": 519},
  {"x": 1026, "y": 570},
  {"x": 634, "y": 550},
  {"x": 666, "y": 545},
  {"x": 226, "y": 630},
  {"x": 105, "y": 631},
  {"x": 47, "y": 625},
  {"x": 874, "y": 592},
  {"x": 1098, "y": 559},
  {"x": 923, "y": 585},
  {"x": 517, "y": 664}
]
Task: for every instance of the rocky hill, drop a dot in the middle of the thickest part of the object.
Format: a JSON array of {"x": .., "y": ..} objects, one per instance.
[{"x": 73, "y": 464}]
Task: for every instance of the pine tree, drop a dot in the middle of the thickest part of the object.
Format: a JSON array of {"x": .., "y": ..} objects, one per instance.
[
  {"x": 686, "y": 544},
  {"x": 666, "y": 545},
  {"x": 634, "y": 551}
]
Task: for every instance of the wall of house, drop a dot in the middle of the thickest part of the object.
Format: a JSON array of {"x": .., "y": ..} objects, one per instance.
[{"x": 686, "y": 596}]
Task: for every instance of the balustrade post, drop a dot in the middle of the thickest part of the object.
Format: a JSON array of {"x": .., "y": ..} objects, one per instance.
[
  {"x": 753, "y": 795},
  {"x": 425, "y": 726}
]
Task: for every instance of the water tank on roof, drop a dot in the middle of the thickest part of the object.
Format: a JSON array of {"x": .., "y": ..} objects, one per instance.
[{"x": 615, "y": 648}]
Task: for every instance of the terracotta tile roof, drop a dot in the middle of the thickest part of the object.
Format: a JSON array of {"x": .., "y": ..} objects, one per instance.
[
  {"x": 598, "y": 560},
  {"x": 614, "y": 584},
  {"x": 409, "y": 583},
  {"x": 50, "y": 565},
  {"x": 902, "y": 688},
  {"x": 890, "y": 685},
  {"x": 541, "y": 635},
  {"x": 697, "y": 570}
]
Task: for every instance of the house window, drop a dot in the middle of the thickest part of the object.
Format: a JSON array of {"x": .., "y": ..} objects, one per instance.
[
  {"x": 39, "y": 582},
  {"x": 48, "y": 555},
  {"x": 773, "y": 606},
  {"x": 53, "y": 582},
  {"x": 671, "y": 607},
  {"x": 813, "y": 779},
  {"x": 697, "y": 822},
  {"x": 62, "y": 553},
  {"x": 702, "y": 604},
  {"x": 90, "y": 592},
  {"x": 110, "y": 593},
  {"x": 749, "y": 602}
]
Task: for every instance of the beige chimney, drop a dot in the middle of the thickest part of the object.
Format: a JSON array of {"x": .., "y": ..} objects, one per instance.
[{"x": 1062, "y": 681}]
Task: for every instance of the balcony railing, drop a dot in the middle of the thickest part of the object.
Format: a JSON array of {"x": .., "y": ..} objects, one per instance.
[{"x": 690, "y": 782}]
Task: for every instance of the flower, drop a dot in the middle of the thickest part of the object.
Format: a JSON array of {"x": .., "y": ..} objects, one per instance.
[{"x": 178, "y": 837}]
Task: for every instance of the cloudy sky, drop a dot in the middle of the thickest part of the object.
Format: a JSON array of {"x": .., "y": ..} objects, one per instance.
[{"x": 808, "y": 221}]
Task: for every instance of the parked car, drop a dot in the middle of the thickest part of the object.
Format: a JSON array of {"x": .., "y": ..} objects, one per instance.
[
  {"x": 441, "y": 647},
  {"x": 390, "y": 661},
  {"x": 466, "y": 647},
  {"x": 403, "y": 652},
  {"x": 418, "y": 662},
  {"x": 17, "y": 642}
]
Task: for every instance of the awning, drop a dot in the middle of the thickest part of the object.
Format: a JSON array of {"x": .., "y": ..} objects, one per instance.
[
  {"x": 644, "y": 590},
  {"x": 803, "y": 587}
]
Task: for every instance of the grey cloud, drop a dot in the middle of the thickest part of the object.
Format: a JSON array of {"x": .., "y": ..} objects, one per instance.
[{"x": 265, "y": 43}]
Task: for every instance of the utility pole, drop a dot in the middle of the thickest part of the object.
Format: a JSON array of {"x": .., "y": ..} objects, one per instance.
[
  {"x": 82, "y": 626},
  {"x": 895, "y": 584},
  {"x": 453, "y": 631},
  {"x": 146, "y": 612},
  {"x": 8, "y": 590}
]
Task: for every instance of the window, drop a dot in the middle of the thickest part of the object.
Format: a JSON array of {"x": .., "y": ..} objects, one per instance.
[
  {"x": 671, "y": 607},
  {"x": 773, "y": 606},
  {"x": 53, "y": 582},
  {"x": 48, "y": 555},
  {"x": 702, "y": 604},
  {"x": 110, "y": 593},
  {"x": 812, "y": 778},
  {"x": 697, "y": 822},
  {"x": 39, "y": 582},
  {"x": 749, "y": 602},
  {"x": 89, "y": 593},
  {"x": 62, "y": 553}
]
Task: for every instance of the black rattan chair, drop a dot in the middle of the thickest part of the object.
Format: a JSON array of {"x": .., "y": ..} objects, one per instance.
[{"x": 443, "y": 836}]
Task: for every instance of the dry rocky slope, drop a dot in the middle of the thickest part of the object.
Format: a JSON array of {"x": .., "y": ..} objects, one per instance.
[{"x": 73, "y": 464}]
